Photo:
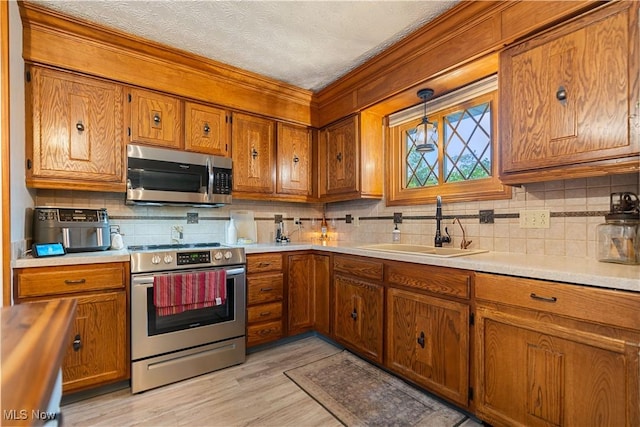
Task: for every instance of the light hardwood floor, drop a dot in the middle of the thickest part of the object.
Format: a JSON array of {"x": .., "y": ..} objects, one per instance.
[{"x": 256, "y": 393}]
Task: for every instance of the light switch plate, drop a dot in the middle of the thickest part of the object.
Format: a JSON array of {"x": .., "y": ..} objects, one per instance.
[{"x": 538, "y": 218}]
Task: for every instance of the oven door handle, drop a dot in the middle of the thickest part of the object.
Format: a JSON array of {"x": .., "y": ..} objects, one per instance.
[{"x": 147, "y": 281}]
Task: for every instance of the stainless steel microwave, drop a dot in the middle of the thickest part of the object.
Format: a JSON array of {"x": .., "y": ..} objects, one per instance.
[{"x": 159, "y": 176}]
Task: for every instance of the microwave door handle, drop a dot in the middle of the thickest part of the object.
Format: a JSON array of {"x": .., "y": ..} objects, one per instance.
[{"x": 210, "y": 170}]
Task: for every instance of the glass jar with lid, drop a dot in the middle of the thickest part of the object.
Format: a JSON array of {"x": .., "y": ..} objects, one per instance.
[{"x": 619, "y": 236}]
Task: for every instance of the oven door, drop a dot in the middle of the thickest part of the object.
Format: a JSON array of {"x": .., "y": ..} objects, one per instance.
[{"x": 152, "y": 335}]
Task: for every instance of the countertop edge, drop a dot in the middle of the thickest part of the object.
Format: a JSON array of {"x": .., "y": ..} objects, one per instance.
[
  {"x": 44, "y": 329},
  {"x": 577, "y": 271}
]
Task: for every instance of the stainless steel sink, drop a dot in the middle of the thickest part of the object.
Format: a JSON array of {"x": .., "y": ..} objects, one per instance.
[{"x": 422, "y": 250}]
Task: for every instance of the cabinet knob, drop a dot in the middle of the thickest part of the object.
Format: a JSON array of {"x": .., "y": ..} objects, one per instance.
[
  {"x": 296, "y": 159},
  {"x": 77, "y": 343},
  {"x": 79, "y": 126},
  {"x": 354, "y": 314},
  {"x": 156, "y": 118},
  {"x": 421, "y": 339},
  {"x": 206, "y": 128},
  {"x": 254, "y": 153},
  {"x": 561, "y": 94},
  {"x": 339, "y": 157}
]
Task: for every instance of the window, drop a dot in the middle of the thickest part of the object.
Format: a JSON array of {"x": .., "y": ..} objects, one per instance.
[{"x": 464, "y": 164}]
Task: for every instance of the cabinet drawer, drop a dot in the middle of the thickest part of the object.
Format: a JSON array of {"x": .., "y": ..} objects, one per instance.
[
  {"x": 264, "y": 312},
  {"x": 439, "y": 280},
  {"x": 606, "y": 306},
  {"x": 42, "y": 281},
  {"x": 358, "y": 267},
  {"x": 264, "y": 332},
  {"x": 264, "y": 288},
  {"x": 260, "y": 263}
]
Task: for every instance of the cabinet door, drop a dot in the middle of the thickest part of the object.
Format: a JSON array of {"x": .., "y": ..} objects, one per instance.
[
  {"x": 206, "y": 129},
  {"x": 428, "y": 342},
  {"x": 358, "y": 316},
  {"x": 308, "y": 288},
  {"x": 322, "y": 320},
  {"x": 342, "y": 166},
  {"x": 294, "y": 160},
  {"x": 253, "y": 151},
  {"x": 98, "y": 353},
  {"x": 156, "y": 119},
  {"x": 536, "y": 373},
  {"x": 77, "y": 131},
  {"x": 568, "y": 96}
]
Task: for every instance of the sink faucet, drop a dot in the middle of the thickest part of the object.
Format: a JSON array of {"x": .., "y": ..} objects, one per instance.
[
  {"x": 440, "y": 239},
  {"x": 464, "y": 244}
]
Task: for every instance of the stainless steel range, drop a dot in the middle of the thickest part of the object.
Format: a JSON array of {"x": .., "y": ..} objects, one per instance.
[{"x": 188, "y": 310}]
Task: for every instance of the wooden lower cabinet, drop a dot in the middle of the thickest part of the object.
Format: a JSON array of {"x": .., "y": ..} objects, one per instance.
[
  {"x": 427, "y": 342},
  {"x": 308, "y": 293},
  {"x": 99, "y": 351},
  {"x": 358, "y": 315},
  {"x": 544, "y": 357},
  {"x": 265, "y": 295}
]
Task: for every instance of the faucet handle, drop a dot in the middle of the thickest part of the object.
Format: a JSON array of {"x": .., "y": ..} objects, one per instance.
[
  {"x": 464, "y": 244},
  {"x": 447, "y": 238}
]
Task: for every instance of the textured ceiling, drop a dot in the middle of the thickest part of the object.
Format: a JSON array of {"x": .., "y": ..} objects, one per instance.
[{"x": 308, "y": 44}]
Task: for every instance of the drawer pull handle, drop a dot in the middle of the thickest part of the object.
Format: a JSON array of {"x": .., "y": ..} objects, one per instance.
[
  {"x": 265, "y": 313},
  {"x": 75, "y": 282},
  {"x": 266, "y": 289},
  {"x": 547, "y": 299},
  {"x": 264, "y": 264},
  {"x": 77, "y": 343},
  {"x": 421, "y": 339}
]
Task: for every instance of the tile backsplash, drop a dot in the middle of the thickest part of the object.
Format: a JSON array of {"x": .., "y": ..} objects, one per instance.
[{"x": 576, "y": 206}]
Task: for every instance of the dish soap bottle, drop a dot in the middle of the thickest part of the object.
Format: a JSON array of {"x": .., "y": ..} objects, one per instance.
[
  {"x": 232, "y": 232},
  {"x": 323, "y": 229},
  {"x": 395, "y": 235}
]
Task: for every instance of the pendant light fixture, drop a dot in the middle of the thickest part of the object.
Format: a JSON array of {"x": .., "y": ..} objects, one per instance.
[{"x": 423, "y": 144}]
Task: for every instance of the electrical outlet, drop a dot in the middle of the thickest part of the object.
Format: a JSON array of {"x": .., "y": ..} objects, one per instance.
[
  {"x": 397, "y": 217},
  {"x": 297, "y": 221},
  {"x": 534, "y": 218}
]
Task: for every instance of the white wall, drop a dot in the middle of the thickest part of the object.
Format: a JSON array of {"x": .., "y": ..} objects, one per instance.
[{"x": 21, "y": 198}]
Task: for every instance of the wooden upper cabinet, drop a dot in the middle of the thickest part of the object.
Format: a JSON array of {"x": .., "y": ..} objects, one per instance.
[
  {"x": 568, "y": 99},
  {"x": 253, "y": 148},
  {"x": 294, "y": 158},
  {"x": 342, "y": 166},
  {"x": 75, "y": 140},
  {"x": 350, "y": 158},
  {"x": 206, "y": 129},
  {"x": 156, "y": 119}
]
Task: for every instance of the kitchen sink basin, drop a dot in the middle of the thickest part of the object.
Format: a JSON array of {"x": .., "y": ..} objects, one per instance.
[{"x": 422, "y": 250}]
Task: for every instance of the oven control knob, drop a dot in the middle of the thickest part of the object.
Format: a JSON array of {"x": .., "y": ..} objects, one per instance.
[
  {"x": 217, "y": 256},
  {"x": 228, "y": 255},
  {"x": 168, "y": 259},
  {"x": 155, "y": 259}
]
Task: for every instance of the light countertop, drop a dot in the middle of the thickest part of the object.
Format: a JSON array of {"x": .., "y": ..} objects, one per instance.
[{"x": 582, "y": 271}]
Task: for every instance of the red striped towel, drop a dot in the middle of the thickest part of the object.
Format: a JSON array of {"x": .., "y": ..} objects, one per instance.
[{"x": 177, "y": 293}]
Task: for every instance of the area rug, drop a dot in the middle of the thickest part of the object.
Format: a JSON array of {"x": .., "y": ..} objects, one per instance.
[{"x": 360, "y": 394}]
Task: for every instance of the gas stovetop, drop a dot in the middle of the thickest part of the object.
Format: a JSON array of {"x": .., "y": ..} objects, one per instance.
[{"x": 154, "y": 258}]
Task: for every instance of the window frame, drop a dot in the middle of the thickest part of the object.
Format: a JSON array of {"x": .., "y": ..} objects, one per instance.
[{"x": 473, "y": 190}]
